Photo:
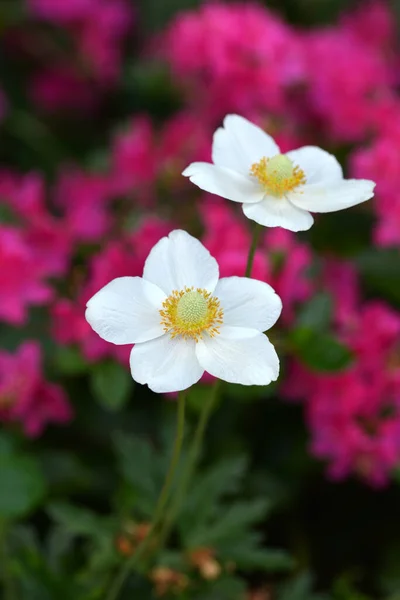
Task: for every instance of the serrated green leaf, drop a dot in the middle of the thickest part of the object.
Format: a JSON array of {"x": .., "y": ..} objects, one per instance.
[
  {"x": 229, "y": 524},
  {"x": 111, "y": 384},
  {"x": 206, "y": 491},
  {"x": 74, "y": 519},
  {"x": 138, "y": 465},
  {"x": 22, "y": 486}
]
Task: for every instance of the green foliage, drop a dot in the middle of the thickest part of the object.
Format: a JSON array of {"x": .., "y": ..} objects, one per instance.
[
  {"x": 22, "y": 484},
  {"x": 313, "y": 343},
  {"x": 111, "y": 384}
]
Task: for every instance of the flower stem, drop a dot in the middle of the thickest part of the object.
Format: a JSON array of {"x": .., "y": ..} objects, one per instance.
[
  {"x": 253, "y": 248},
  {"x": 191, "y": 461},
  {"x": 122, "y": 576}
]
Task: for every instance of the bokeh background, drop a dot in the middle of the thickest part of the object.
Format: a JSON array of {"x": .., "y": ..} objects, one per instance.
[{"x": 103, "y": 103}]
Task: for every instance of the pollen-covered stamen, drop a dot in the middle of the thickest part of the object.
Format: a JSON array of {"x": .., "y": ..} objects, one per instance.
[
  {"x": 278, "y": 175},
  {"x": 191, "y": 313}
]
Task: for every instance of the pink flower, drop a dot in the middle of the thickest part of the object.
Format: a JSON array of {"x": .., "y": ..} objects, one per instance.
[
  {"x": 291, "y": 262},
  {"x": 228, "y": 240},
  {"x": 61, "y": 12},
  {"x": 21, "y": 282},
  {"x": 25, "y": 397},
  {"x": 45, "y": 235},
  {"x": 380, "y": 162},
  {"x": 145, "y": 160},
  {"x": 134, "y": 160},
  {"x": 61, "y": 88},
  {"x": 347, "y": 93},
  {"x": 234, "y": 58},
  {"x": 373, "y": 23},
  {"x": 354, "y": 416},
  {"x": 84, "y": 199}
]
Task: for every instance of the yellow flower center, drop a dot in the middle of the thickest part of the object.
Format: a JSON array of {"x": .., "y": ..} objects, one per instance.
[
  {"x": 278, "y": 175},
  {"x": 190, "y": 313}
]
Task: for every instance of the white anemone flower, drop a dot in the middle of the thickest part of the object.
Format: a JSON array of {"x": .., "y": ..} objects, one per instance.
[
  {"x": 276, "y": 190},
  {"x": 184, "y": 320}
]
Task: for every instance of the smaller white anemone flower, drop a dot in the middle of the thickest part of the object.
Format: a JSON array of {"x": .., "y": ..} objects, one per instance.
[
  {"x": 276, "y": 190},
  {"x": 184, "y": 320}
]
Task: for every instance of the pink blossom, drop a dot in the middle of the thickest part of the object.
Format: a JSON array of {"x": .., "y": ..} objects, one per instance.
[
  {"x": 354, "y": 416},
  {"x": 21, "y": 278},
  {"x": 134, "y": 160},
  {"x": 62, "y": 88},
  {"x": 346, "y": 94},
  {"x": 145, "y": 160},
  {"x": 61, "y": 12},
  {"x": 97, "y": 29},
  {"x": 228, "y": 240},
  {"x": 291, "y": 276},
  {"x": 380, "y": 162},
  {"x": 373, "y": 24},
  {"x": 25, "y": 397},
  {"x": 340, "y": 278},
  {"x": 234, "y": 58},
  {"x": 84, "y": 199},
  {"x": 45, "y": 235}
]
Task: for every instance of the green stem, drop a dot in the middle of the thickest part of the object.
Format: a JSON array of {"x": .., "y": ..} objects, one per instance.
[
  {"x": 253, "y": 248},
  {"x": 122, "y": 576},
  {"x": 191, "y": 461}
]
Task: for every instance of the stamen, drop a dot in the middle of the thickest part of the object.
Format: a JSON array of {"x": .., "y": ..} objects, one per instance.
[
  {"x": 278, "y": 175},
  {"x": 191, "y": 313}
]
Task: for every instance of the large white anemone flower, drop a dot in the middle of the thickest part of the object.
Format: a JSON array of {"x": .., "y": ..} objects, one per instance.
[
  {"x": 276, "y": 190},
  {"x": 184, "y": 320}
]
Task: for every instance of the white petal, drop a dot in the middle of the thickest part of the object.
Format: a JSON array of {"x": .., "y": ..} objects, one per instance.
[
  {"x": 125, "y": 311},
  {"x": 250, "y": 139},
  {"x": 227, "y": 152},
  {"x": 318, "y": 166},
  {"x": 278, "y": 212},
  {"x": 239, "y": 355},
  {"x": 224, "y": 182},
  {"x": 248, "y": 303},
  {"x": 180, "y": 261},
  {"x": 331, "y": 197},
  {"x": 165, "y": 364}
]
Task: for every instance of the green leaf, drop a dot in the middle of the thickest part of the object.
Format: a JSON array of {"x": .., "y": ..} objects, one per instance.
[
  {"x": 316, "y": 314},
  {"x": 297, "y": 589},
  {"x": 69, "y": 361},
  {"x": 229, "y": 525},
  {"x": 22, "y": 486},
  {"x": 79, "y": 521},
  {"x": 111, "y": 384},
  {"x": 138, "y": 465},
  {"x": 263, "y": 559},
  {"x": 7, "y": 444},
  {"x": 320, "y": 351},
  {"x": 206, "y": 491},
  {"x": 381, "y": 271},
  {"x": 226, "y": 588}
]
